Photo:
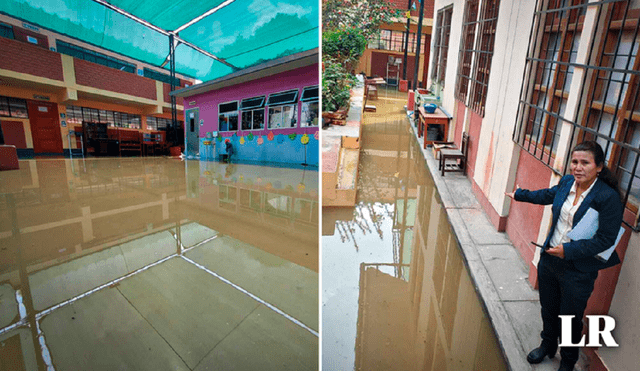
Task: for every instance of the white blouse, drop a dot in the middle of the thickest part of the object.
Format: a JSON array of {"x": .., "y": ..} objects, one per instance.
[{"x": 565, "y": 220}]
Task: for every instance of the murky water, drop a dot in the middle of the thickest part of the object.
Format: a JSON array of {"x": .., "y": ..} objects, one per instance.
[
  {"x": 158, "y": 264},
  {"x": 395, "y": 291}
]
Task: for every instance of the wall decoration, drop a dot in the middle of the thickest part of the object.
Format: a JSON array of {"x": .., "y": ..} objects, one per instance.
[
  {"x": 260, "y": 140},
  {"x": 241, "y": 140},
  {"x": 270, "y": 136},
  {"x": 304, "y": 139},
  {"x": 292, "y": 136},
  {"x": 280, "y": 139},
  {"x": 317, "y": 135},
  {"x": 250, "y": 137}
]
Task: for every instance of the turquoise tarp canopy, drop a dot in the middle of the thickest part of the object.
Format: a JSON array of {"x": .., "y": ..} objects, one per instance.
[{"x": 215, "y": 38}]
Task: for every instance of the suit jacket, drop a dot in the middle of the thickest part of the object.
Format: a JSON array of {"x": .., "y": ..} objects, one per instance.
[{"x": 602, "y": 198}]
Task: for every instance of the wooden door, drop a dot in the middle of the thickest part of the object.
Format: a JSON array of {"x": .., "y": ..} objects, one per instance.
[{"x": 45, "y": 127}]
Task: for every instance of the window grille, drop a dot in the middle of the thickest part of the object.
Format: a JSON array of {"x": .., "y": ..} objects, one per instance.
[
  {"x": 394, "y": 41},
  {"x": 466, "y": 49},
  {"x": 474, "y": 64},
  {"x": 483, "y": 54},
  {"x": 76, "y": 115},
  {"x": 441, "y": 45},
  {"x": 6, "y": 31},
  {"x": 93, "y": 56},
  {"x": 146, "y": 72},
  {"x": 13, "y": 107},
  {"x": 608, "y": 108}
]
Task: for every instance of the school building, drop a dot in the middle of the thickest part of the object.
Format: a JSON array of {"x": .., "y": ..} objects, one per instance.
[{"x": 527, "y": 81}]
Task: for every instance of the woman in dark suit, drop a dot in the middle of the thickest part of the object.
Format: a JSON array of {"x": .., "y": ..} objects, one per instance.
[{"x": 568, "y": 269}]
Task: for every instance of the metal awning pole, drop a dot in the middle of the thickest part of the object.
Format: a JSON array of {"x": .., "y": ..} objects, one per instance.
[
  {"x": 174, "y": 110},
  {"x": 419, "y": 36}
]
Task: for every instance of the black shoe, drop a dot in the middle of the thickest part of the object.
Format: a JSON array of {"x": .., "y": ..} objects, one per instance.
[
  {"x": 537, "y": 355},
  {"x": 566, "y": 366}
]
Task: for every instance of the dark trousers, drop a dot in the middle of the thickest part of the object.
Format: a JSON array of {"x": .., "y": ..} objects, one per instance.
[{"x": 563, "y": 291}]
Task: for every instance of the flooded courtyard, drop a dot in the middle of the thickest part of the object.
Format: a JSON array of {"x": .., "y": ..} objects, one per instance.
[
  {"x": 158, "y": 264},
  {"x": 396, "y": 294}
]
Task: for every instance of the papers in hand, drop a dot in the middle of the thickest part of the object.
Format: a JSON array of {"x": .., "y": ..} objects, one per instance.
[{"x": 587, "y": 228}]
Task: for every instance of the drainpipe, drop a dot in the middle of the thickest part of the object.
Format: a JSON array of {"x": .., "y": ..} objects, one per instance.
[{"x": 417, "y": 66}]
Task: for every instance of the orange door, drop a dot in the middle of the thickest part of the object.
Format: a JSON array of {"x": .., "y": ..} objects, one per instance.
[{"x": 45, "y": 127}]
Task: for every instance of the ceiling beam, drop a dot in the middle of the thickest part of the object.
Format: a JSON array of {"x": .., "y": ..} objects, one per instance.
[
  {"x": 206, "y": 14},
  {"x": 167, "y": 33}
]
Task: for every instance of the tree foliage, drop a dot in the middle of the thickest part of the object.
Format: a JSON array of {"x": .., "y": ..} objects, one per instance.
[{"x": 365, "y": 15}]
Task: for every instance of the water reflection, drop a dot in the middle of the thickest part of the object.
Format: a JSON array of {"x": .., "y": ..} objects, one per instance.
[
  {"x": 75, "y": 232},
  {"x": 396, "y": 295}
]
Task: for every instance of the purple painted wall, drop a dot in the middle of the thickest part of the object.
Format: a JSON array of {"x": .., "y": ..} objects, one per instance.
[{"x": 208, "y": 102}]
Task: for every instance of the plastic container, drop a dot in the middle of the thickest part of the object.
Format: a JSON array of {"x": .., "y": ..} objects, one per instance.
[{"x": 430, "y": 107}]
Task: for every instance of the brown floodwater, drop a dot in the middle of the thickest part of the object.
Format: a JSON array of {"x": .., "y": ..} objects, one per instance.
[
  {"x": 396, "y": 294},
  {"x": 158, "y": 264}
]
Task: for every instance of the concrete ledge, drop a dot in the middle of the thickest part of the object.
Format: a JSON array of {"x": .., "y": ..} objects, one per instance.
[{"x": 341, "y": 156}]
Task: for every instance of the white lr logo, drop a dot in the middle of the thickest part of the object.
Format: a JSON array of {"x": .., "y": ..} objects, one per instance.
[{"x": 594, "y": 332}]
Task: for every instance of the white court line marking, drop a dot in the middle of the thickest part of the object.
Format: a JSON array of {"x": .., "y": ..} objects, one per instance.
[
  {"x": 46, "y": 356},
  {"x": 198, "y": 244},
  {"x": 270, "y": 306},
  {"x": 69, "y": 301},
  {"x": 21, "y": 308},
  {"x": 22, "y": 322}
]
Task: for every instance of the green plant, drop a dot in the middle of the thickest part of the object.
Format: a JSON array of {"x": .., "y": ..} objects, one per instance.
[
  {"x": 345, "y": 45},
  {"x": 336, "y": 83}
]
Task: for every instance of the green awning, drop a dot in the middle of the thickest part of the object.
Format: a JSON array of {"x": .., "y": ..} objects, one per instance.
[{"x": 231, "y": 35}]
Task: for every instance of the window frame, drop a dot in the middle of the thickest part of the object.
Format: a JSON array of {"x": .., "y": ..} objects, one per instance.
[
  {"x": 252, "y": 110},
  {"x": 15, "y": 107},
  {"x": 441, "y": 45},
  {"x": 465, "y": 56},
  {"x": 272, "y": 107},
  {"x": 306, "y": 107},
  {"x": 616, "y": 126},
  {"x": 228, "y": 115}
]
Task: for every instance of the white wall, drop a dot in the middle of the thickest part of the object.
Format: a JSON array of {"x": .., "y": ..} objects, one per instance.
[{"x": 624, "y": 309}]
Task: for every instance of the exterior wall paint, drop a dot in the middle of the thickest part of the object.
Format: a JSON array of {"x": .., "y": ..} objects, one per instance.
[
  {"x": 624, "y": 308},
  {"x": 30, "y": 59},
  {"x": 268, "y": 145},
  {"x": 500, "y": 164},
  {"x": 107, "y": 78},
  {"x": 524, "y": 219},
  {"x": 475, "y": 125}
]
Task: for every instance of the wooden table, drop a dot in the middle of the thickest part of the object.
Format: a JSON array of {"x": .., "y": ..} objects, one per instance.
[{"x": 436, "y": 118}]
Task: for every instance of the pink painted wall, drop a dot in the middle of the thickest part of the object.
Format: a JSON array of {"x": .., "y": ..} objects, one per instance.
[
  {"x": 475, "y": 124},
  {"x": 460, "y": 109},
  {"x": 298, "y": 78},
  {"x": 524, "y": 219}
]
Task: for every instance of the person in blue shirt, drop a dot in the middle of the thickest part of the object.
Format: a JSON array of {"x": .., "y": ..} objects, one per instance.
[
  {"x": 568, "y": 269},
  {"x": 228, "y": 149}
]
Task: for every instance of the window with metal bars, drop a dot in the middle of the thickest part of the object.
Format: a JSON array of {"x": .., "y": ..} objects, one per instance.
[
  {"x": 93, "y": 56},
  {"x": 394, "y": 41},
  {"x": 485, "y": 40},
  {"x": 465, "y": 56},
  {"x": 474, "y": 66},
  {"x": 158, "y": 123},
  {"x": 441, "y": 45},
  {"x": 551, "y": 64},
  {"x": 608, "y": 92},
  {"x": 13, "y": 107},
  {"x": 76, "y": 115}
]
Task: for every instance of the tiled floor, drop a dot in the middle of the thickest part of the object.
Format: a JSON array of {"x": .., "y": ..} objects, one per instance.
[{"x": 158, "y": 264}]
